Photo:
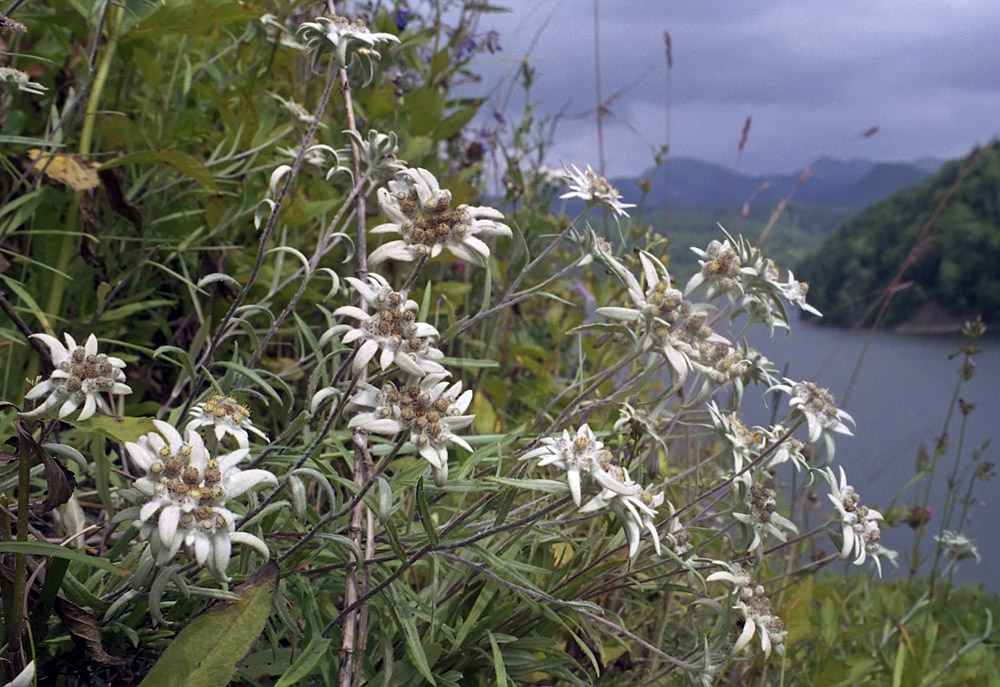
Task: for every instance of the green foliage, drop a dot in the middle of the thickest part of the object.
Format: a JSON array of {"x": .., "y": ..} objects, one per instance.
[
  {"x": 952, "y": 274},
  {"x": 213, "y": 264},
  {"x": 205, "y": 653}
]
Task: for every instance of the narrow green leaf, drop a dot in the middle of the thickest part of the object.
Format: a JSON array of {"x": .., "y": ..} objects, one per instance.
[
  {"x": 309, "y": 657},
  {"x": 188, "y": 165},
  {"x": 468, "y": 362},
  {"x": 38, "y": 548},
  {"x": 498, "y": 667},
  {"x": 247, "y": 372},
  {"x": 23, "y": 294},
  {"x": 414, "y": 648},
  {"x": 425, "y": 513},
  {"x": 206, "y": 652}
]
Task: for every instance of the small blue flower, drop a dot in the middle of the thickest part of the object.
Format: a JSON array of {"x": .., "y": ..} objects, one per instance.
[{"x": 402, "y": 18}]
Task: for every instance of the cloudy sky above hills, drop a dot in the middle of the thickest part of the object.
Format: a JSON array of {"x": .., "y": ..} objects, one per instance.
[{"x": 813, "y": 77}]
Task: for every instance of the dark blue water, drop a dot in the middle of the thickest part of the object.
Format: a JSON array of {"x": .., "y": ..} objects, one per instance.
[{"x": 899, "y": 400}]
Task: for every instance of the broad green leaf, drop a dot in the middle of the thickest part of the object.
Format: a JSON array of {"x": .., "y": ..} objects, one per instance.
[
  {"x": 796, "y": 610},
  {"x": 196, "y": 17},
  {"x": 37, "y": 548},
  {"x": 206, "y": 652},
  {"x": 117, "y": 429},
  {"x": 187, "y": 165},
  {"x": 309, "y": 657},
  {"x": 454, "y": 122}
]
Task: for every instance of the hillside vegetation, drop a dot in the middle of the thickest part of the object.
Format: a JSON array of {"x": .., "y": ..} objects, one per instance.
[{"x": 954, "y": 274}]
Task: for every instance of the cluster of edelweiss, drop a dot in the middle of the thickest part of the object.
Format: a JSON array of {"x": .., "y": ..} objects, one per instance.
[{"x": 181, "y": 496}]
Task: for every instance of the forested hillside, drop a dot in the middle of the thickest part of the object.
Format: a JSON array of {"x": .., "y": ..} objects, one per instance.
[{"x": 954, "y": 274}]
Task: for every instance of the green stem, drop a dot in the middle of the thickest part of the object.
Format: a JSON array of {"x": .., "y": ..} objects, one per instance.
[{"x": 69, "y": 241}]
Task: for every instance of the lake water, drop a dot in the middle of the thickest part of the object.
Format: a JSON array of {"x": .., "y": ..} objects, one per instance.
[{"x": 899, "y": 400}]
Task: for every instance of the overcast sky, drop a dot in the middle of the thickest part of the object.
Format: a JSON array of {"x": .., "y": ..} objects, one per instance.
[{"x": 812, "y": 75}]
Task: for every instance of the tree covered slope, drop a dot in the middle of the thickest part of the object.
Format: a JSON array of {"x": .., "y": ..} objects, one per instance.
[{"x": 955, "y": 274}]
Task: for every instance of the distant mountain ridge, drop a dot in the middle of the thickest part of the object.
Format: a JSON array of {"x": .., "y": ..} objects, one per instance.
[
  {"x": 849, "y": 185},
  {"x": 954, "y": 275}
]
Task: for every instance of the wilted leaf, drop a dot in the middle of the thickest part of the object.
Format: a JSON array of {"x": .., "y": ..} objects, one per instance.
[
  {"x": 68, "y": 170},
  {"x": 206, "y": 652},
  {"x": 84, "y": 626}
]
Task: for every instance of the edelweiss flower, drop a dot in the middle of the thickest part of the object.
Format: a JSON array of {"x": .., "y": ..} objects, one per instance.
[
  {"x": 763, "y": 518},
  {"x": 226, "y": 416},
  {"x": 344, "y": 40},
  {"x": 819, "y": 409},
  {"x": 81, "y": 374},
  {"x": 392, "y": 327},
  {"x": 755, "y": 608},
  {"x": 21, "y": 81},
  {"x": 182, "y": 496},
  {"x": 581, "y": 455},
  {"x": 958, "y": 546},
  {"x": 430, "y": 410},
  {"x": 795, "y": 292},
  {"x": 378, "y": 156},
  {"x": 859, "y": 524},
  {"x": 659, "y": 308},
  {"x": 594, "y": 189},
  {"x": 420, "y": 210},
  {"x": 634, "y": 506},
  {"x": 746, "y": 445},
  {"x": 720, "y": 268}
]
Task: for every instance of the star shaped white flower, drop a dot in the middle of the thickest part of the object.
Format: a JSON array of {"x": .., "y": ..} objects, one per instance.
[
  {"x": 344, "y": 40},
  {"x": 225, "y": 415},
  {"x": 958, "y": 546},
  {"x": 21, "y": 81},
  {"x": 818, "y": 407},
  {"x": 763, "y": 517},
  {"x": 755, "y": 609},
  {"x": 579, "y": 455},
  {"x": 420, "y": 210},
  {"x": 430, "y": 410},
  {"x": 81, "y": 375},
  {"x": 181, "y": 497},
  {"x": 634, "y": 506},
  {"x": 720, "y": 268},
  {"x": 795, "y": 292},
  {"x": 859, "y": 524},
  {"x": 594, "y": 189},
  {"x": 391, "y": 328}
]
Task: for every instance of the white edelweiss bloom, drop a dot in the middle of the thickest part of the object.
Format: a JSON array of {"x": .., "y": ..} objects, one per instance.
[
  {"x": 225, "y": 415},
  {"x": 579, "y": 456},
  {"x": 790, "y": 449},
  {"x": 181, "y": 497},
  {"x": 720, "y": 268},
  {"x": 958, "y": 546},
  {"x": 594, "y": 189},
  {"x": 21, "y": 81},
  {"x": 763, "y": 517},
  {"x": 391, "y": 328},
  {"x": 745, "y": 444},
  {"x": 344, "y": 40},
  {"x": 818, "y": 407},
  {"x": 81, "y": 375},
  {"x": 667, "y": 322},
  {"x": 377, "y": 154},
  {"x": 859, "y": 524},
  {"x": 420, "y": 210},
  {"x": 428, "y": 408},
  {"x": 755, "y": 608},
  {"x": 795, "y": 292},
  {"x": 634, "y": 506}
]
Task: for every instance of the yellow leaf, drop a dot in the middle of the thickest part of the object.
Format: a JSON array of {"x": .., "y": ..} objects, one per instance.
[{"x": 74, "y": 172}]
